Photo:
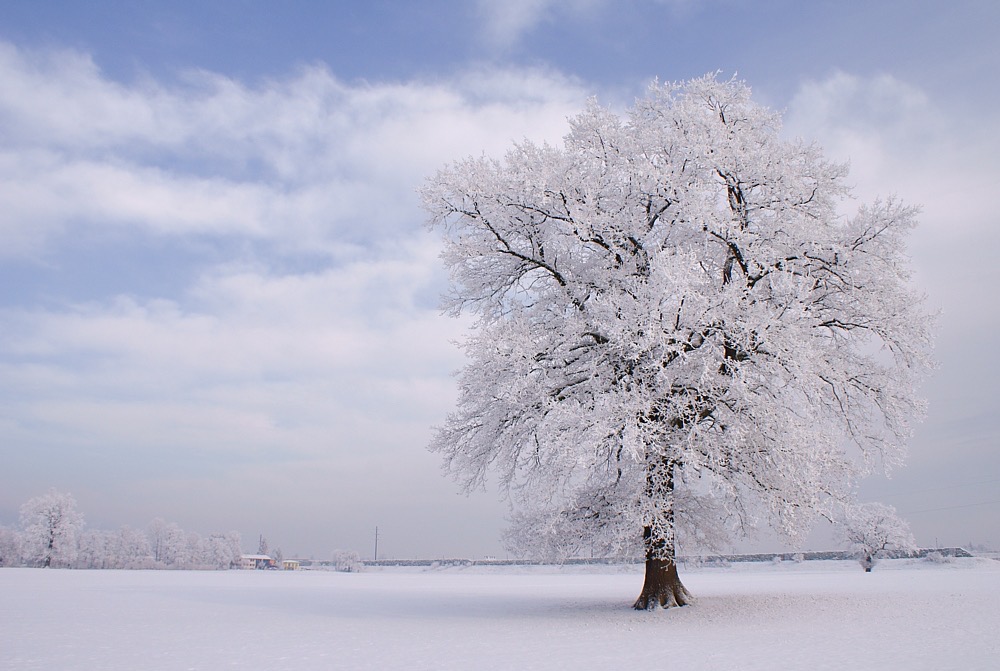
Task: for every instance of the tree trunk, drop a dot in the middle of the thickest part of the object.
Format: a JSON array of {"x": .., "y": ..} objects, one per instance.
[
  {"x": 662, "y": 586},
  {"x": 49, "y": 549}
]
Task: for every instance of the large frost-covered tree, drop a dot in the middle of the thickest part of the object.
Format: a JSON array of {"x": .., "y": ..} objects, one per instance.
[
  {"x": 51, "y": 527},
  {"x": 678, "y": 332},
  {"x": 159, "y": 538},
  {"x": 10, "y": 547},
  {"x": 168, "y": 544},
  {"x": 95, "y": 549},
  {"x": 132, "y": 549},
  {"x": 222, "y": 551}
]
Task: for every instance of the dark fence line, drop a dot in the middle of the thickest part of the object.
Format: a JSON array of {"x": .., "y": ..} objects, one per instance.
[{"x": 706, "y": 560}]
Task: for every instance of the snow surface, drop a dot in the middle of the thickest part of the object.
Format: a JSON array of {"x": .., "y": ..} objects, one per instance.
[{"x": 908, "y": 614}]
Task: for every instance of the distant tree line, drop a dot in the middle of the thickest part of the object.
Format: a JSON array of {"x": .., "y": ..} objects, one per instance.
[{"x": 52, "y": 534}]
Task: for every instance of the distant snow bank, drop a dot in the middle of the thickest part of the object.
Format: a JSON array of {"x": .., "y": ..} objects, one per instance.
[{"x": 823, "y": 614}]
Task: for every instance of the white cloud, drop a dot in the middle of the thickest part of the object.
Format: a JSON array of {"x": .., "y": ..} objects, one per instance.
[
  {"x": 310, "y": 396},
  {"x": 898, "y": 140},
  {"x": 505, "y": 22},
  {"x": 333, "y": 369},
  {"x": 304, "y": 162},
  {"x": 337, "y": 371},
  {"x": 901, "y": 141},
  {"x": 246, "y": 325}
]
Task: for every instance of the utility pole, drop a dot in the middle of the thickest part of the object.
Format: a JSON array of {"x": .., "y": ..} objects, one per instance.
[{"x": 376, "y": 543}]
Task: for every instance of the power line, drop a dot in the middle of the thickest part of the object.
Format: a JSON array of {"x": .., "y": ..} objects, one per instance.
[
  {"x": 934, "y": 489},
  {"x": 967, "y": 505}
]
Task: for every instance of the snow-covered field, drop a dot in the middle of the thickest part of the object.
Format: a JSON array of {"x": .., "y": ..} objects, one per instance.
[{"x": 908, "y": 614}]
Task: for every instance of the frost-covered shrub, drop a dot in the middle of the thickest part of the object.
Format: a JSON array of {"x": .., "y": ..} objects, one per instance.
[
  {"x": 872, "y": 530},
  {"x": 938, "y": 558},
  {"x": 347, "y": 561}
]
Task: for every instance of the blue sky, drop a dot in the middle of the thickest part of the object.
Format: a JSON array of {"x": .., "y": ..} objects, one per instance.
[{"x": 217, "y": 301}]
